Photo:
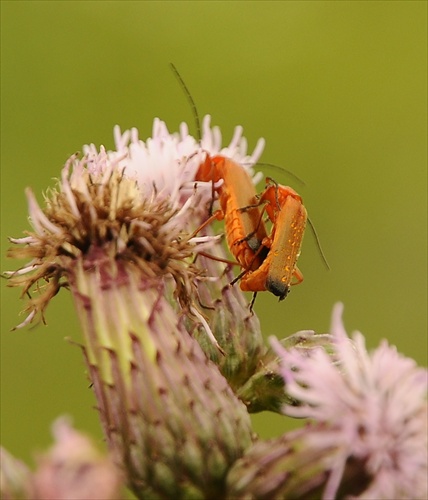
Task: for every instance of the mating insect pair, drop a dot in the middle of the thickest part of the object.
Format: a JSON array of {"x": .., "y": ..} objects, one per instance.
[{"x": 268, "y": 261}]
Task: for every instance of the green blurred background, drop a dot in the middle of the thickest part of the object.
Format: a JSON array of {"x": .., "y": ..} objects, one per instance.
[{"x": 338, "y": 89}]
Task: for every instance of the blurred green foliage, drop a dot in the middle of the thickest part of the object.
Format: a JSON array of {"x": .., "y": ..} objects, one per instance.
[{"x": 338, "y": 89}]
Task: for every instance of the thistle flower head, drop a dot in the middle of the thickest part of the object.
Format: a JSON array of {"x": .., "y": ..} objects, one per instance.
[
  {"x": 73, "y": 468},
  {"x": 370, "y": 407},
  {"x": 120, "y": 232},
  {"x": 137, "y": 204}
]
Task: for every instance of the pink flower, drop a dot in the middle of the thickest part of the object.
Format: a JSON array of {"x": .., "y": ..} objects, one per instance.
[{"x": 372, "y": 407}]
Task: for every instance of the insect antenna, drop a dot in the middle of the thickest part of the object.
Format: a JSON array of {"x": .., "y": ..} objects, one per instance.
[
  {"x": 282, "y": 169},
  {"x": 317, "y": 240},
  {"x": 190, "y": 99}
]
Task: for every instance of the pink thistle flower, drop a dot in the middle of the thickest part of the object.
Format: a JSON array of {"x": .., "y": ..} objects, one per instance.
[
  {"x": 73, "y": 468},
  {"x": 367, "y": 433},
  {"x": 373, "y": 408}
]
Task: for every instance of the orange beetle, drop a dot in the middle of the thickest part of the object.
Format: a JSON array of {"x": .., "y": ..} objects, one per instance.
[
  {"x": 245, "y": 229},
  {"x": 277, "y": 271}
]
